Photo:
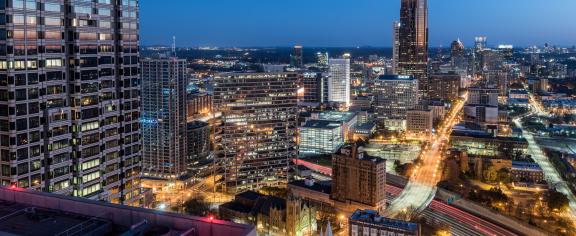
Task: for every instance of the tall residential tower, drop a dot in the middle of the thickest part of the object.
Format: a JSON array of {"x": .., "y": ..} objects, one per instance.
[
  {"x": 164, "y": 117},
  {"x": 70, "y": 98}
]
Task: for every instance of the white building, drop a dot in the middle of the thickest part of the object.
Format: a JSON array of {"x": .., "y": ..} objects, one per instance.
[
  {"x": 321, "y": 137},
  {"x": 339, "y": 81}
]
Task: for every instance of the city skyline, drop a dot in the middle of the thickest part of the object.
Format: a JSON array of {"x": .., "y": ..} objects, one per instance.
[{"x": 367, "y": 23}]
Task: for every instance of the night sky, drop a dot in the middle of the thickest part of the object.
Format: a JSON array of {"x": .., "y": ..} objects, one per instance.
[{"x": 334, "y": 23}]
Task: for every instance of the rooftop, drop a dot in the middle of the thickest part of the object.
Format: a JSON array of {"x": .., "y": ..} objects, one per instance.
[
  {"x": 336, "y": 116},
  {"x": 322, "y": 187},
  {"x": 522, "y": 165},
  {"x": 322, "y": 124},
  {"x": 396, "y": 77},
  {"x": 26, "y": 212},
  {"x": 372, "y": 217}
]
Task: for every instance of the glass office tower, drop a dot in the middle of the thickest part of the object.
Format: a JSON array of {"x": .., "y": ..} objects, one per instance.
[
  {"x": 69, "y": 98},
  {"x": 413, "y": 36}
]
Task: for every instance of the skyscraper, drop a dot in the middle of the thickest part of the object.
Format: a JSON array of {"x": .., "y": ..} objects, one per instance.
[
  {"x": 339, "y": 81},
  {"x": 297, "y": 57},
  {"x": 395, "y": 46},
  {"x": 458, "y": 55},
  {"x": 164, "y": 117},
  {"x": 257, "y": 136},
  {"x": 72, "y": 125},
  {"x": 413, "y": 36}
]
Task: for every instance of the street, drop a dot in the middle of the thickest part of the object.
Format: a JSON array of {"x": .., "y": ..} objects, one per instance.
[{"x": 421, "y": 187}]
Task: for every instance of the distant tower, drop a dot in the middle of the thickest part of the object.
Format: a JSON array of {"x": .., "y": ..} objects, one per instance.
[
  {"x": 297, "y": 58},
  {"x": 413, "y": 36},
  {"x": 339, "y": 81},
  {"x": 395, "y": 46},
  {"x": 174, "y": 46},
  {"x": 480, "y": 43},
  {"x": 458, "y": 54}
]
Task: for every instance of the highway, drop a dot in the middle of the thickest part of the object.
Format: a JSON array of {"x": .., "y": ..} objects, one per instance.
[
  {"x": 551, "y": 175},
  {"x": 421, "y": 187},
  {"x": 459, "y": 221}
]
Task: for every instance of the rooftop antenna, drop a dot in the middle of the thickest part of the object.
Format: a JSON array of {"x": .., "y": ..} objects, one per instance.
[{"x": 174, "y": 46}]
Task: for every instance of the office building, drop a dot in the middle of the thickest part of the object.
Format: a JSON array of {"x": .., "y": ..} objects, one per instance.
[
  {"x": 526, "y": 172},
  {"x": 257, "y": 135},
  {"x": 444, "y": 87},
  {"x": 369, "y": 222},
  {"x": 339, "y": 81},
  {"x": 72, "y": 124},
  {"x": 413, "y": 36},
  {"x": 359, "y": 178},
  {"x": 348, "y": 121},
  {"x": 497, "y": 78},
  {"x": 313, "y": 84},
  {"x": 394, "y": 96},
  {"x": 483, "y": 96},
  {"x": 419, "y": 123},
  {"x": 395, "y": 47},
  {"x": 321, "y": 137},
  {"x": 457, "y": 55},
  {"x": 297, "y": 57},
  {"x": 164, "y": 117}
]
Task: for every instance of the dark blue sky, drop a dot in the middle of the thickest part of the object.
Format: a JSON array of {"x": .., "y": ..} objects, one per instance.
[{"x": 352, "y": 22}]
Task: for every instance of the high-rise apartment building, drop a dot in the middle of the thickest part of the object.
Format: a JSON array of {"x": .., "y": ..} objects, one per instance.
[
  {"x": 258, "y": 131},
  {"x": 413, "y": 33},
  {"x": 69, "y": 98},
  {"x": 394, "y": 96},
  {"x": 339, "y": 81},
  {"x": 164, "y": 117}
]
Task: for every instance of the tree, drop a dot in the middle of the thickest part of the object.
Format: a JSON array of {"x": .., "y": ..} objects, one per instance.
[
  {"x": 557, "y": 200},
  {"x": 490, "y": 174},
  {"x": 504, "y": 176},
  {"x": 197, "y": 206}
]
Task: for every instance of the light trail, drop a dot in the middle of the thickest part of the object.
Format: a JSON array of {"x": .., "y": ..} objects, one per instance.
[{"x": 421, "y": 187}]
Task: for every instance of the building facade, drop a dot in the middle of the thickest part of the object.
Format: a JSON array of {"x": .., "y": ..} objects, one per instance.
[
  {"x": 419, "y": 123},
  {"x": 321, "y": 137},
  {"x": 198, "y": 105},
  {"x": 164, "y": 117},
  {"x": 396, "y": 46},
  {"x": 394, "y": 96},
  {"x": 71, "y": 123},
  {"x": 199, "y": 145},
  {"x": 445, "y": 87},
  {"x": 257, "y": 135},
  {"x": 339, "y": 81},
  {"x": 359, "y": 178}
]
